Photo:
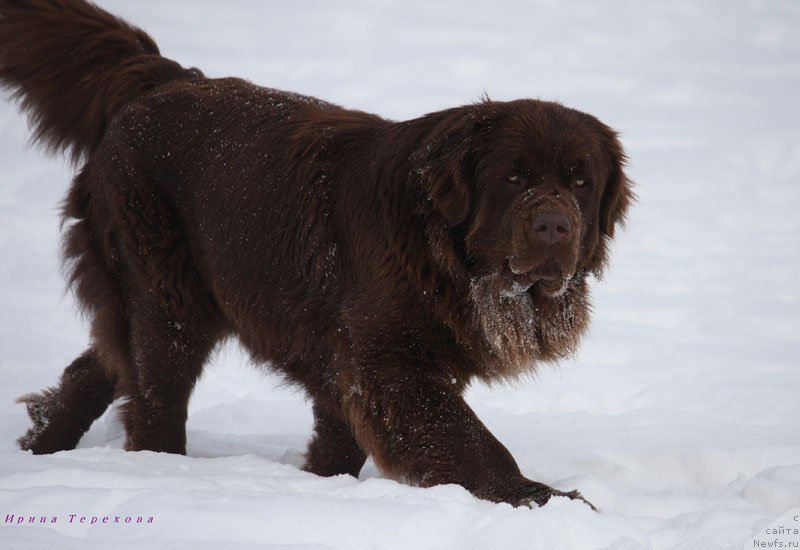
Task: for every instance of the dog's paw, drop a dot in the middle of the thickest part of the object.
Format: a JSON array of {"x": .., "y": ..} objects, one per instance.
[
  {"x": 538, "y": 494},
  {"x": 41, "y": 408}
]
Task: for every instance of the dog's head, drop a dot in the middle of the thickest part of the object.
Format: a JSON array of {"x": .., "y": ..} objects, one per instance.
[{"x": 531, "y": 191}]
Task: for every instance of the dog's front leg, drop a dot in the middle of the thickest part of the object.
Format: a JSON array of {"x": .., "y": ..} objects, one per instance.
[{"x": 419, "y": 430}]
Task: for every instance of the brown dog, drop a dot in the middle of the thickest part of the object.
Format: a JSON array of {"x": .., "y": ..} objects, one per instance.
[{"x": 379, "y": 265}]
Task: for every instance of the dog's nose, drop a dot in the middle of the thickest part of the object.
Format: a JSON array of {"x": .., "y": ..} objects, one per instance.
[{"x": 551, "y": 227}]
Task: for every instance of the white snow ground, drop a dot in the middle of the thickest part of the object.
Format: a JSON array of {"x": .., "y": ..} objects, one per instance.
[{"x": 679, "y": 418}]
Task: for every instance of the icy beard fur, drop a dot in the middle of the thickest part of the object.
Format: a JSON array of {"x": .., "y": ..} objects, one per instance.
[
  {"x": 519, "y": 332},
  {"x": 506, "y": 319}
]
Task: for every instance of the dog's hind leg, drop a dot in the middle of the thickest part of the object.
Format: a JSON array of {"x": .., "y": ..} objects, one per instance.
[
  {"x": 168, "y": 351},
  {"x": 61, "y": 415},
  {"x": 173, "y": 321}
]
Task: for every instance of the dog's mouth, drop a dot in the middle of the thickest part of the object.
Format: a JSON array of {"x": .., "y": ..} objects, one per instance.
[
  {"x": 548, "y": 279},
  {"x": 553, "y": 288}
]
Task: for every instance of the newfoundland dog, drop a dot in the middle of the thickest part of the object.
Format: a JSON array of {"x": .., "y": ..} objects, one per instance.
[{"x": 379, "y": 265}]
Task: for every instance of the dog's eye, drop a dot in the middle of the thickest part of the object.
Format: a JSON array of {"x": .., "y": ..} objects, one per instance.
[
  {"x": 581, "y": 182},
  {"x": 514, "y": 178}
]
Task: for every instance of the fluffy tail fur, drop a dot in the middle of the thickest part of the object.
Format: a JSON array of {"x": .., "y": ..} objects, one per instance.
[{"x": 73, "y": 66}]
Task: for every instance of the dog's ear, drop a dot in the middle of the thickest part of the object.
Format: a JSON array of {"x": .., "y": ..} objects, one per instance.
[
  {"x": 452, "y": 190},
  {"x": 445, "y": 163},
  {"x": 618, "y": 195}
]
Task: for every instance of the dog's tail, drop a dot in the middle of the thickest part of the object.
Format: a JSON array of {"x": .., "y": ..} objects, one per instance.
[{"x": 73, "y": 66}]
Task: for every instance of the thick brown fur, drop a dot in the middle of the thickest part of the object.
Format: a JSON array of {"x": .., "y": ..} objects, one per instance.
[{"x": 379, "y": 265}]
